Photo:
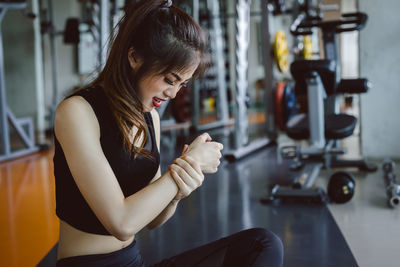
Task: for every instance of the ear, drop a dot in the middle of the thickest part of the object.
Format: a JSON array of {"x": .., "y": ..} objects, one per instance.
[{"x": 134, "y": 62}]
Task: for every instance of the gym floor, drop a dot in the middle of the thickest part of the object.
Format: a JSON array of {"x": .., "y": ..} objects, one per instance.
[{"x": 362, "y": 232}]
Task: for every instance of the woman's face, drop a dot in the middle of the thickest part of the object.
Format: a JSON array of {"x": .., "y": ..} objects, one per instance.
[{"x": 155, "y": 89}]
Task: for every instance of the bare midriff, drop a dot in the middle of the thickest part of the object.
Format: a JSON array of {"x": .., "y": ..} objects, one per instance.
[{"x": 74, "y": 242}]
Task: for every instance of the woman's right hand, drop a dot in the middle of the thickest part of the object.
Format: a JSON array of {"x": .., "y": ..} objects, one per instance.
[
  {"x": 187, "y": 175},
  {"x": 205, "y": 152}
]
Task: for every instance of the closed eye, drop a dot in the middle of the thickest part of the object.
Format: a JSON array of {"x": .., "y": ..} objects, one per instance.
[
  {"x": 168, "y": 81},
  {"x": 185, "y": 84}
]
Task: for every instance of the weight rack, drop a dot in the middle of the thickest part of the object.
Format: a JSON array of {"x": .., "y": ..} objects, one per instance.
[{"x": 7, "y": 117}]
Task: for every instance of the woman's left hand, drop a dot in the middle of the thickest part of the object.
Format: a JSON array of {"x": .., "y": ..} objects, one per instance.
[{"x": 187, "y": 176}]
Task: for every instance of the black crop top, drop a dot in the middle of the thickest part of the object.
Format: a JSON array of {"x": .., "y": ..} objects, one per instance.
[{"x": 132, "y": 174}]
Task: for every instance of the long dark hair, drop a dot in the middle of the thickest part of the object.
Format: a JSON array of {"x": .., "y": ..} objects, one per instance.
[{"x": 167, "y": 39}]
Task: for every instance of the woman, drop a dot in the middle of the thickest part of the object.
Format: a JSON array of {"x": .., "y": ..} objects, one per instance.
[{"x": 106, "y": 163}]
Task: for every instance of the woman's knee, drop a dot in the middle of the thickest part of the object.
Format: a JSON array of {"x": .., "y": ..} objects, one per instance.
[
  {"x": 266, "y": 238},
  {"x": 265, "y": 246}
]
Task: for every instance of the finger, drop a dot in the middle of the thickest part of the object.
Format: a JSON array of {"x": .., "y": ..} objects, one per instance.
[
  {"x": 211, "y": 169},
  {"x": 183, "y": 189},
  {"x": 208, "y": 137},
  {"x": 193, "y": 164},
  {"x": 195, "y": 177},
  {"x": 204, "y": 137},
  {"x": 218, "y": 163},
  {"x": 185, "y": 165},
  {"x": 185, "y": 148},
  {"x": 218, "y": 146},
  {"x": 195, "y": 170},
  {"x": 186, "y": 178},
  {"x": 218, "y": 154},
  {"x": 178, "y": 180}
]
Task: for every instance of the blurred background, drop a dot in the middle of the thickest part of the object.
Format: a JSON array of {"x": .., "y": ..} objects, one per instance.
[{"x": 302, "y": 93}]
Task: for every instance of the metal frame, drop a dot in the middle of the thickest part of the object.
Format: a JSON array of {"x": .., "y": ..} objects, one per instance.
[
  {"x": 315, "y": 96},
  {"x": 54, "y": 64},
  {"x": 242, "y": 146},
  {"x": 104, "y": 31},
  {"x": 39, "y": 76},
  {"x": 217, "y": 48},
  {"x": 6, "y": 115},
  {"x": 268, "y": 62}
]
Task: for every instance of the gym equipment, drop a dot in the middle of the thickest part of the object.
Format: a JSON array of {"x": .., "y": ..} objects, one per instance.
[
  {"x": 289, "y": 107},
  {"x": 278, "y": 6},
  {"x": 285, "y": 104},
  {"x": 307, "y": 51},
  {"x": 39, "y": 77},
  {"x": 281, "y": 51},
  {"x": 323, "y": 125},
  {"x": 341, "y": 187},
  {"x": 392, "y": 187},
  {"x": 104, "y": 30},
  {"x": 216, "y": 74},
  {"x": 7, "y": 117},
  {"x": 99, "y": 22},
  {"x": 71, "y": 32},
  {"x": 242, "y": 146},
  {"x": 279, "y": 98},
  {"x": 48, "y": 27}
]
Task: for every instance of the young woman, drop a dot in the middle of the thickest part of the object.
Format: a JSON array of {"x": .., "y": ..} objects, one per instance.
[{"x": 107, "y": 138}]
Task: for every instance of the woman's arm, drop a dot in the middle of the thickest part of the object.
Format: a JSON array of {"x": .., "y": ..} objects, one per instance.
[
  {"x": 188, "y": 177},
  {"x": 167, "y": 213},
  {"x": 164, "y": 216},
  {"x": 78, "y": 131}
]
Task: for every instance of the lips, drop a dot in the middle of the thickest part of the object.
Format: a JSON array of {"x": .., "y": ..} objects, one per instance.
[{"x": 157, "y": 101}]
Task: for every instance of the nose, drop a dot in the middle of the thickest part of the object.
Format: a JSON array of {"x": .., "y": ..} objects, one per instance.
[{"x": 171, "y": 91}]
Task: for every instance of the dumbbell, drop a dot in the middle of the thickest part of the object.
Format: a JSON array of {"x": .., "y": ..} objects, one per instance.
[{"x": 392, "y": 188}]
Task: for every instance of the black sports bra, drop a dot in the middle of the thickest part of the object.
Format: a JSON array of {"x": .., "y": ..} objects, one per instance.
[{"x": 132, "y": 174}]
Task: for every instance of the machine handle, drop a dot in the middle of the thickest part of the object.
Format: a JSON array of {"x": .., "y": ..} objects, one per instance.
[
  {"x": 353, "y": 86},
  {"x": 357, "y": 20},
  {"x": 303, "y": 25}
]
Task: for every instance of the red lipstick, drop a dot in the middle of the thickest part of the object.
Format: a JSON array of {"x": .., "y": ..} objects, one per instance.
[{"x": 157, "y": 101}]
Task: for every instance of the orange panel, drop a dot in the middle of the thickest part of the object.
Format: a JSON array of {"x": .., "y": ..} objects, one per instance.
[{"x": 29, "y": 226}]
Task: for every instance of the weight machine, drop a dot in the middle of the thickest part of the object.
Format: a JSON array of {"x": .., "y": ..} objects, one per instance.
[
  {"x": 217, "y": 71},
  {"x": 323, "y": 125},
  {"x": 100, "y": 19},
  {"x": 242, "y": 146},
  {"x": 23, "y": 126}
]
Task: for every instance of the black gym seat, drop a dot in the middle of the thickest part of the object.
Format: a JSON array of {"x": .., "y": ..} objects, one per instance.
[{"x": 337, "y": 126}]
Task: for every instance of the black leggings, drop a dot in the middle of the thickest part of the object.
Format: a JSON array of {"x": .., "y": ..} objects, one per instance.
[{"x": 252, "y": 247}]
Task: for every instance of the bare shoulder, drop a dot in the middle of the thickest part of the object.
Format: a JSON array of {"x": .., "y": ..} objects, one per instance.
[
  {"x": 74, "y": 106},
  {"x": 75, "y": 114}
]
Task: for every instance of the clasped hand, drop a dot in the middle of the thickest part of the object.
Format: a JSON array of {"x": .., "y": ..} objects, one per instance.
[{"x": 201, "y": 156}]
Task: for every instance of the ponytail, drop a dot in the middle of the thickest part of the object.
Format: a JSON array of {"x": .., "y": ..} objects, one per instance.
[{"x": 167, "y": 39}]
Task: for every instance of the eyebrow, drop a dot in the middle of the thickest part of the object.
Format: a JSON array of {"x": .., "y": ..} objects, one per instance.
[{"x": 178, "y": 77}]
